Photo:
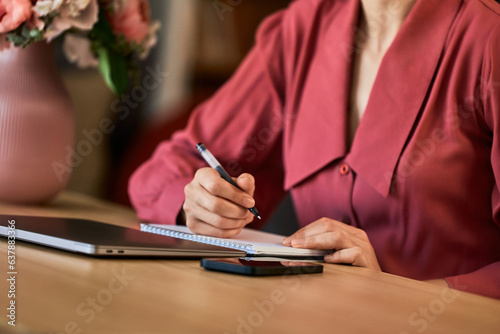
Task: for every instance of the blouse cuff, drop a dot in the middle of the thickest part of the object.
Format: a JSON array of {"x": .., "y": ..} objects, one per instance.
[
  {"x": 483, "y": 281},
  {"x": 165, "y": 208}
]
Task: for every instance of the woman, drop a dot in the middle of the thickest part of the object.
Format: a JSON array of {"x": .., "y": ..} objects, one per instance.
[{"x": 411, "y": 189}]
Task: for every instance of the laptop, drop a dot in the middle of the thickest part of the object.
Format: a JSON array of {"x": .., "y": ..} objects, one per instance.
[{"x": 104, "y": 240}]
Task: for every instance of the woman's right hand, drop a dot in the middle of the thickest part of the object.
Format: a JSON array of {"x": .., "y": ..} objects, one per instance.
[{"x": 215, "y": 207}]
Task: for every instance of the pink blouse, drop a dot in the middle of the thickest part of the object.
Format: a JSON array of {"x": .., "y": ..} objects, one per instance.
[{"x": 422, "y": 175}]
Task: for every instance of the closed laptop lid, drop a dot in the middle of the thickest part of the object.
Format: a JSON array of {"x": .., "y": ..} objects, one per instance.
[{"x": 101, "y": 239}]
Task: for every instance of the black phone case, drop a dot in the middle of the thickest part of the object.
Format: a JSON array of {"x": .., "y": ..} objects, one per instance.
[{"x": 260, "y": 268}]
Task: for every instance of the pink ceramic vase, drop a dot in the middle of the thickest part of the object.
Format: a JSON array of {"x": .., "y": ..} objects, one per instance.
[{"x": 37, "y": 126}]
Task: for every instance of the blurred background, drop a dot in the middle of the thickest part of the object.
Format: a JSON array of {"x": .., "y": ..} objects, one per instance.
[{"x": 200, "y": 44}]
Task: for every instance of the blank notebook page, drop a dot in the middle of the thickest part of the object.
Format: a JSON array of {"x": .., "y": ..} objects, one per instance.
[{"x": 252, "y": 241}]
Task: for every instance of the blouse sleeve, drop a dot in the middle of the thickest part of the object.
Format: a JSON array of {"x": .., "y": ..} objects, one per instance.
[
  {"x": 486, "y": 280},
  {"x": 241, "y": 125}
]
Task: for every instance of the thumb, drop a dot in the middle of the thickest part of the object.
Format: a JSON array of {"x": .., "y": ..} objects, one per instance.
[{"x": 247, "y": 183}]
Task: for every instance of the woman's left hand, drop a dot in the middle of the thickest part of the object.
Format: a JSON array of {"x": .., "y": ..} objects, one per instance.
[{"x": 351, "y": 244}]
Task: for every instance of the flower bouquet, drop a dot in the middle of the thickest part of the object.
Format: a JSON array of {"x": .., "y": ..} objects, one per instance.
[{"x": 109, "y": 34}]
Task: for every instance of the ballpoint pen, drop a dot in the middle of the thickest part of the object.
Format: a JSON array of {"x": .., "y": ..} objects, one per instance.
[{"x": 210, "y": 159}]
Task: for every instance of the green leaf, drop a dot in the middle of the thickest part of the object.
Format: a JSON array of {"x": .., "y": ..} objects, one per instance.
[
  {"x": 35, "y": 33},
  {"x": 17, "y": 40},
  {"x": 102, "y": 31},
  {"x": 113, "y": 68},
  {"x": 25, "y": 32},
  {"x": 113, "y": 64}
]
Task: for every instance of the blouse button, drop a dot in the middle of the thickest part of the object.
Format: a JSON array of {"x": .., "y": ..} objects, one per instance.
[{"x": 344, "y": 169}]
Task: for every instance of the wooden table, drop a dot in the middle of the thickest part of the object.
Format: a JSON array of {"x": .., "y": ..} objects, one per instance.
[{"x": 60, "y": 292}]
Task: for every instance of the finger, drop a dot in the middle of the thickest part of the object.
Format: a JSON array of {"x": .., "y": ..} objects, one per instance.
[
  {"x": 222, "y": 214},
  {"x": 320, "y": 226},
  {"x": 331, "y": 240},
  {"x": 210, "y": 179},
  {"x": 196, "y": 196},
  {"x": 221, "y": 206},
  {"x": 200, "y": 227},
  {"x": 219, "y": 221},
  {"x": 247, "y": 183},
  {"x": 347, "y": 256}
]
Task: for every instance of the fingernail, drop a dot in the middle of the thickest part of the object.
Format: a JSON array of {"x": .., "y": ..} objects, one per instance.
[
  {"x": 286, "y": 241},
  {"x": 249, "y": 202},
  {"x": 298, "y": 242}
]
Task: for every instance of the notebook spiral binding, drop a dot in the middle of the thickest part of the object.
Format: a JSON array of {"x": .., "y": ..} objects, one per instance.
[{"x": 199, "y": 238}]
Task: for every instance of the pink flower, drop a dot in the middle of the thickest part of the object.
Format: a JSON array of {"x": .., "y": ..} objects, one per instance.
[
  {"x": 79, "y": 14},
  {"x": 131, "y": 18},
  {"x": 13, "y": 13},
  {"x": 42, "y": 8},
  {"x": 78, "y": 50}
]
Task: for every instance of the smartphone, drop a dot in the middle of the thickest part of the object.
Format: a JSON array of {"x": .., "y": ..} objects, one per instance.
[{"x": 261, "y": 268}]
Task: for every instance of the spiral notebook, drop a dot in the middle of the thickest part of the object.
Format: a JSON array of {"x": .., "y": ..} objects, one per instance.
[{"x": 253, "y": 242}]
